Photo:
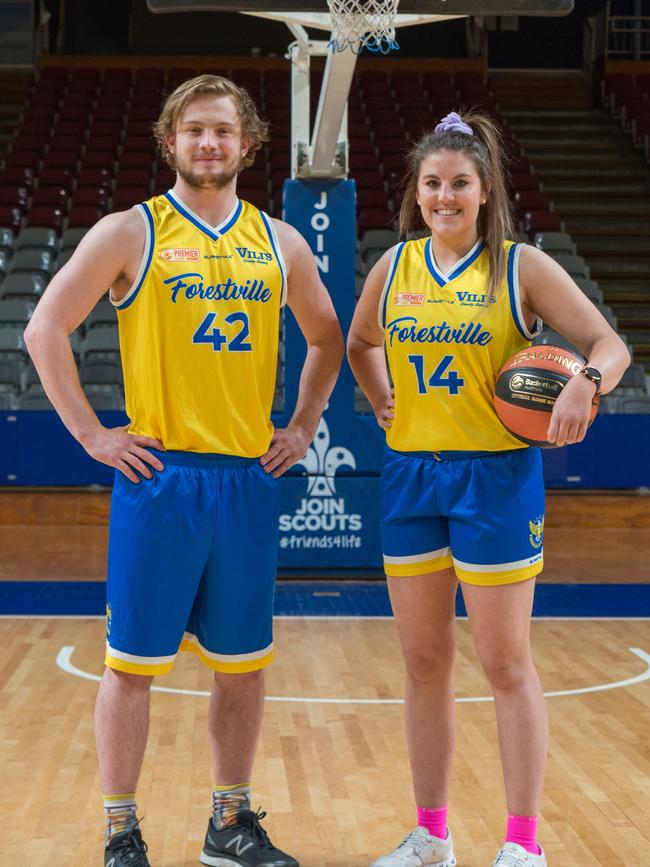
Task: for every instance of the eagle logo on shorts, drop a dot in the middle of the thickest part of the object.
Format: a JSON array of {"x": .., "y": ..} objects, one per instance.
[{"x": 536, "y": 528}]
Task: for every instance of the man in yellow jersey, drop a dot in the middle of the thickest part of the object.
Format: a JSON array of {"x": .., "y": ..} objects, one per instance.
[{"x": 198, "y": 278}]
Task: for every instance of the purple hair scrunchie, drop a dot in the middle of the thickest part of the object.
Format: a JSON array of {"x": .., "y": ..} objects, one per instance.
[{"x": 453, "y": 123}]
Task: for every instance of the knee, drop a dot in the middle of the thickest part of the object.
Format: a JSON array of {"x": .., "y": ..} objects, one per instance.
[
  {"x": 427, "y": 664},
  {"x": 228, "y": 681},
  {"x": 133, "y": 684},
  {"x": 508, "y": 674}
]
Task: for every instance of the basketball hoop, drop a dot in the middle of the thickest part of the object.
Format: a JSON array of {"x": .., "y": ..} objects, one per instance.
[{"x": 363, "y": 24}]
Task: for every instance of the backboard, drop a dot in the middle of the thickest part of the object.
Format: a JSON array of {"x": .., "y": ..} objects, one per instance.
[{"x": 420, "y": 7}]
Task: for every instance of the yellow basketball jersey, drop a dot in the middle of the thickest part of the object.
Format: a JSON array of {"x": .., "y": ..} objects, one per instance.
[
  {"x": 445, "y": 345},
  {"x": 199, "y": 329}
]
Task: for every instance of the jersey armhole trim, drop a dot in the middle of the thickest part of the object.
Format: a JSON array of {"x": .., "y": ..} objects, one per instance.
[
  {"x": 275, "y": 245},
  {"x": 383, "y": 299},
  {"x": 514, "y": 294},
  {"x": 145, "y": 262}
]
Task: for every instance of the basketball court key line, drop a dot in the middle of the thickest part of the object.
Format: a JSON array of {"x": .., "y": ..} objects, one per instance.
[{"x": 64, "y": 662}]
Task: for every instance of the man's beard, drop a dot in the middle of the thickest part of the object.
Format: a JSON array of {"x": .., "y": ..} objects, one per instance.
[{"x": 208, "y": 181}]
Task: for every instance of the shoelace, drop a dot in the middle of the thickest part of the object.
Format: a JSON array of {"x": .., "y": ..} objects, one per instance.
[
  {"x": 252, "y": 820},
  {"x": 131, "y": 841},
  {"x": 510, "y": 859},
  {"x": 411, "y": 840}
]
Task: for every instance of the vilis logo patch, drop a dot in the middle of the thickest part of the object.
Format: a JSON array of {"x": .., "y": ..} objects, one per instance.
[
  {"x": 180, "y": 254},
  {"x": 405, "y": 299}
]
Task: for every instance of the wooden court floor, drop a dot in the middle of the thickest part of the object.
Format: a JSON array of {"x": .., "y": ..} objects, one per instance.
[{"x": 331, "y": 771}]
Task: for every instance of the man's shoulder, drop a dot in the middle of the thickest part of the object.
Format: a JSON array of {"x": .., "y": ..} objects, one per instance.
[
  {"x": 289, "y": 237},
  {"x": 119, "y": 236}
]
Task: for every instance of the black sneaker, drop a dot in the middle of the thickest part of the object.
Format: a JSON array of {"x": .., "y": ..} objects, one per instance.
[
  {"x": 126, "y": 850},
  {"x": 244, "y": 844}
]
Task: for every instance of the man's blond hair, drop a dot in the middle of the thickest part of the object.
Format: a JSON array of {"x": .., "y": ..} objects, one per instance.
[{"x": 254, "y": 129}]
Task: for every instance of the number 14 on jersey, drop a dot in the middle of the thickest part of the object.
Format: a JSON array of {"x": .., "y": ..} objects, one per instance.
[{"x": 453, "y": 382}]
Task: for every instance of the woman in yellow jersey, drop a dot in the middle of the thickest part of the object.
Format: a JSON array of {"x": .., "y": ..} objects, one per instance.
[{"x": 462, "y": 499}]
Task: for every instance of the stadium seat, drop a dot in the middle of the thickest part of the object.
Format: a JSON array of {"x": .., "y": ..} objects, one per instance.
[
  {"x": 574, "y": 265},
  {"x": 101, "y": 343},
  {"x": 634, "y": 405},
  {"x": 376, "y": 240},
  {"x": 372, "y": 198},
  {"x": 557, "y": 242},
  {"x": 56, "y": 176},
  {"x": 11, "y": 217},
  {"x": 541, "y": 221},
  {"x": 96, "y": 371},
  {"x": 95, "y": 177},
  {"x": 27, "y": 285},
  {"x": 104, "y": 396},
  {"x": 11, "y": 373},
  {"x": 15, "y": 312},
  {"x": 126, "y": 197},
  {"x": 527, "y": 200},
  {"x": 45, "y": 216},
  {"x": 33, "y": 259},
  {"x": 6, "y": 241},
  {"x": 12, "y": 195},
  {"x": 84, "y": 216},
  {"x": 71, "y": 238},
  {"x": 18, "y": 176},
  {"x": 12, "y": 344},
  {"x": 55, "y": 196},
  {"x": 23, "y": 159},
  {"x": 34, "y": 398},
  {"x": 96, "y": 196}
]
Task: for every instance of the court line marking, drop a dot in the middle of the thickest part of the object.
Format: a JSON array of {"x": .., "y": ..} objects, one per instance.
[{"x": 64, "y": 662}]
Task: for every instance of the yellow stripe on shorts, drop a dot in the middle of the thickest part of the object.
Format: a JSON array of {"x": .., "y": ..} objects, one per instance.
[
  {"x": 417, "y": 564},
  {"x": 237, "y": 663},
  {"x": 498, "y": 574}
]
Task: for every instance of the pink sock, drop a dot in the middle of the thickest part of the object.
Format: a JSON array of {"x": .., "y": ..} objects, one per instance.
[
  {"x": 435, "y": 821},
  {"x": 523, "y": 830}
]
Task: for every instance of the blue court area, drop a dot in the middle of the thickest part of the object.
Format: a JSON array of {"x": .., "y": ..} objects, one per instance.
[{"x": 330, "y": 599}]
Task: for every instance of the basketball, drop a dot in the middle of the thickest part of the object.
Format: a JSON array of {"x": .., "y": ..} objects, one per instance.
[{"x": 527, "y": 387}]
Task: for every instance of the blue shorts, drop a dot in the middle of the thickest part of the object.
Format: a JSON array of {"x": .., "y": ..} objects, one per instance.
[
  {"x": 480, "y": 512},
  {"x": 192, "y": 561}
]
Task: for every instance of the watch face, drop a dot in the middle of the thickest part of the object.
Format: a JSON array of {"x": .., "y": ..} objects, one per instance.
[{"x": 592, "y": 374}]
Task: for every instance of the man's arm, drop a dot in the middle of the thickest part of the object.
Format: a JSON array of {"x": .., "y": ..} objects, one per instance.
[
  {"x": 108, "y": 256},
  {"x": 312, "y": 306}
]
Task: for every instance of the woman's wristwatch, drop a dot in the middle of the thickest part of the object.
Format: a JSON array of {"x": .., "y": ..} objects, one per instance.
[{"x": 593, "y": 375}]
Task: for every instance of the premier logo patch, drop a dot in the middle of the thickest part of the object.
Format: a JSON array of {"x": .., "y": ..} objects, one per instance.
[
  {"x": 180, "y": 254},
  {"x": 405, "y": 299}
]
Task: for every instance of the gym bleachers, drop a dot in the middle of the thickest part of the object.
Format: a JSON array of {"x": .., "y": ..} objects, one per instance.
[{"x": 84, "y": 147}]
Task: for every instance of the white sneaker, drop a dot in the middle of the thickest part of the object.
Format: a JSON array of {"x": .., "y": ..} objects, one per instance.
[
  {"x": 514, "y": 855},
  {"x": 419, "y": 848}
]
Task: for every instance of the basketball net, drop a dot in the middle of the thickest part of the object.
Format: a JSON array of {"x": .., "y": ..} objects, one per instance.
[{"x": 363, "y": 24}]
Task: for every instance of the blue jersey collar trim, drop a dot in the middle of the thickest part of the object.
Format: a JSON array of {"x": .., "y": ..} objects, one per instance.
[
  {"x": 213, "y": 232},
  {"x": 461, "y": 266}
]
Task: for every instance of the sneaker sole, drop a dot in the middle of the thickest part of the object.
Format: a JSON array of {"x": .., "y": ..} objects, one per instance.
[
  {"x": 220, "y": 861},
  {"x": 448, "y": 862}
]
